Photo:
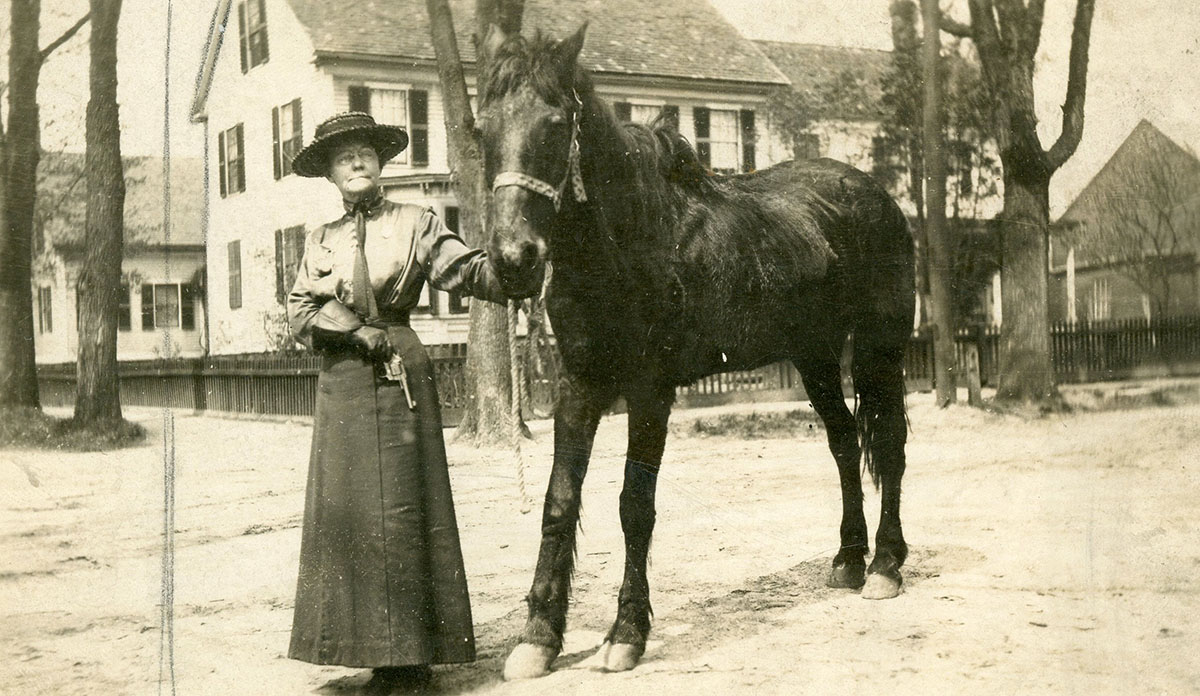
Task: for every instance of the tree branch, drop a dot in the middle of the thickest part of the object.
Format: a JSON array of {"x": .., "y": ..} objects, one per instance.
[
  {"x": 1033, "y": 27},
  {"x": 1072, "y": 128},
  {"x": 956, "y": 28},
  {"x": 66, "y": 36}
]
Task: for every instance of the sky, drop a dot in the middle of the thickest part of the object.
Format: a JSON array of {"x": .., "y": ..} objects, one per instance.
[{"x": 1144, "y": 63}]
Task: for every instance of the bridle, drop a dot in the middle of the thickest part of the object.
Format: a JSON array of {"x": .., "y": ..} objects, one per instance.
[{"x": 573, "y": 174}]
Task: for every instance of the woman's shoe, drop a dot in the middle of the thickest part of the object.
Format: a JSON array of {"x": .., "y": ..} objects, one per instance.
[{"x": 409, "y": 679}]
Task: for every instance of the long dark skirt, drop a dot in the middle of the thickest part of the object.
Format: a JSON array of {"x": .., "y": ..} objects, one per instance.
[{"x": 381, "y": 571}]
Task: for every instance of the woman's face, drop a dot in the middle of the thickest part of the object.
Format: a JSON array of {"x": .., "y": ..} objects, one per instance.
[{"x": 354, "y": 169}]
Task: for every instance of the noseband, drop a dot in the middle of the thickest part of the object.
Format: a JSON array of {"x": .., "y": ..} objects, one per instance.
[{"x": 573, "y": 174}]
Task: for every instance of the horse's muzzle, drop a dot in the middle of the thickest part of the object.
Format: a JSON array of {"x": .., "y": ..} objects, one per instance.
[{"x": 520, "y": 265}]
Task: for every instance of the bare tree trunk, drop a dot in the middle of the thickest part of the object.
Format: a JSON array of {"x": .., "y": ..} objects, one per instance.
[
  {"x": 1026, "y": 373},
  {"x": 486, "y": 418},
  {"x": 939, "y": 256},
  {"x": 18, "y": 373},
  {"x": 97, "y": 396}
]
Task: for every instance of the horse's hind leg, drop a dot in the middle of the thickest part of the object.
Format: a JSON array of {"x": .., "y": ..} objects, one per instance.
[
  {"x": 576, "y": 416},
  {"x": 879, "y": 381},
  {"x": 823, "y": 383},
  {"x": 649, "y": 410}
]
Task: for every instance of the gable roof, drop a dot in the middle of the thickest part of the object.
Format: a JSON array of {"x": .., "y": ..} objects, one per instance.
[
  {"x": 683, "y": 39},
  {"x": 61, "y": 210},
  {"x": 1145, "y": 149},
  {"x": 841, "y": 82}
]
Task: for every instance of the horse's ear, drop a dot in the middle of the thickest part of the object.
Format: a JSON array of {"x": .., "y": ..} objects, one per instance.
[
  {"x": 568, "y": 50},
  {"x": 492, "y": 40}
]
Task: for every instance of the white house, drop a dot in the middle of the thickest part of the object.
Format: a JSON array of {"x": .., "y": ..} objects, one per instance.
[
  {"x": 274, "y": 69},
  {"x": 161, "y": 307}
]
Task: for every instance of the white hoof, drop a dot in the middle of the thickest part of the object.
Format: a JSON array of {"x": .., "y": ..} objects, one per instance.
[
  {"x": 528, "y": 661},
  {"x": 621, "y": 657},
  {"x": 880, "y": 587}
]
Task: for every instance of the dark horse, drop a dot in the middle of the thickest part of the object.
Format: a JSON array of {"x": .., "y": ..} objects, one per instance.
[{"x": 664, "y": 273}]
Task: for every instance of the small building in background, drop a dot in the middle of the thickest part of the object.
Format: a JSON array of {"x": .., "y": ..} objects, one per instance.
[
  {"x": 1127, "y": 246},
  {"x": 162, "y": 294}
]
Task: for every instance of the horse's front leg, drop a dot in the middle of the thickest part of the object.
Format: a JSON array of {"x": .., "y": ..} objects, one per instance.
[
  {"x": 648, "y": 413},
  {"x": 575, "y": 419}
]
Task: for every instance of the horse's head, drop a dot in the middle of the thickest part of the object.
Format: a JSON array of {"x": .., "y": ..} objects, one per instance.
[{"x": 529, "y": 126}]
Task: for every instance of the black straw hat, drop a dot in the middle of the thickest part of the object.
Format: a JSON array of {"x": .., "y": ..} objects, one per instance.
[{"x": 313, "y": 160}]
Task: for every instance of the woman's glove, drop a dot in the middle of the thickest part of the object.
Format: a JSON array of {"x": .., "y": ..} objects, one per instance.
[{"x": 373, "y": 340}]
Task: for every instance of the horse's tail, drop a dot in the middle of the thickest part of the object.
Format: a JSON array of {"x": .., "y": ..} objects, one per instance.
[{"x": 879, "y": 410}]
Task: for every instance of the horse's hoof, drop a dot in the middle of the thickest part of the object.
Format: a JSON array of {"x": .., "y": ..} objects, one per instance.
[
  {"x": 528, "y": 661},
  {"x": 621, "y": 657},
  {"x": 847, "y": 576},
  {"x": 880, "y": 587}
]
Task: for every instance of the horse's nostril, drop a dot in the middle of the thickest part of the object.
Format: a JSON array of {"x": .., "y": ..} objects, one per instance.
[{"x": 521, "y": 256}]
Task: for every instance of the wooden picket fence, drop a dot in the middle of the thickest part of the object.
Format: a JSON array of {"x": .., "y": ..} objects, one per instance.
[{"x": 285, "y": 384}]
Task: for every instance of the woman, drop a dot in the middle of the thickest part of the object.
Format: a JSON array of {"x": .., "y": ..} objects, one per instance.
[{"x": 381, "y": 579}]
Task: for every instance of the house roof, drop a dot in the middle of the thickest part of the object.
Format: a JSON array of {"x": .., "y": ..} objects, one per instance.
[
  {"x": 1126, "y": 173},
  {"x": 842, "y": 82},
  {"x": 683, "y": 39},
  {"x": 61, "y": 210}
]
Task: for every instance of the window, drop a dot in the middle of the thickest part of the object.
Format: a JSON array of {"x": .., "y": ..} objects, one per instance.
[
  {"x": 234, "y": 252},
  {"x": 722, "y": 135},
  {"x": 647, "y": 113},
  {"x": 961, "y": 161},
  {"x": 232, "y": 171},
  {"x": 252, "y": 32},
  {"x": 289, "y": 251},
  {"x": 457, "y": 303},
  {"x": 408, "y": 108},
  {"x": 45, "y": 310},
  {"x": 287, "y": 136},
  {"x": 168, "y": 305},
  {"x": 1099, "y": 304},
  {"x": 808, "y": 146},
  {"x": 124, "y": 314}
]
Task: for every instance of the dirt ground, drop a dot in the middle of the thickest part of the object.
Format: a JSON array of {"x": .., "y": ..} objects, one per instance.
[{"x": 1050, "y": 555}]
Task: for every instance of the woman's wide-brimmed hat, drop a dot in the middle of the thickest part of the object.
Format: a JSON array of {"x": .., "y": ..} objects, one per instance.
[{"x": 313, "y": 160}]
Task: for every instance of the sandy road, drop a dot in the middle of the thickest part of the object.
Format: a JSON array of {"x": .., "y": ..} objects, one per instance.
[{"x": 1049, "y": 555}]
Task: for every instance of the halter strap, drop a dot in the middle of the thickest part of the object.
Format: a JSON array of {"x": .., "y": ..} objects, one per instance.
[{"x": 574, "y": 174}]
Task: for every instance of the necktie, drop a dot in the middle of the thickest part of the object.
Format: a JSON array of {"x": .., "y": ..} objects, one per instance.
[{"x": 364, "y": 294}]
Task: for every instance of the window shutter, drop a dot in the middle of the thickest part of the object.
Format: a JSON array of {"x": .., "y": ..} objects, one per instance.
[
  {"x": 242, "y": 35},
  {"x": 703, "y": 148},
  {"x": 418, "y": 115},
  {"x": 279, "y": 290},
  {"x": 623, "y": 110},
  {"x": 276, "y": 146},
  {"x": 221, "y": 158},
  {"x": 187, "y": 307},
  {"x": 749, "y": 136},
  {"x": 124, "y": 320},
  {"x": 670, "y": 115},
  {"x": 147, "y": 307},
  {"x": 241, "y": 162},
  {"x": 234, "y": 254},
  {"x": 360, "y": 98}
]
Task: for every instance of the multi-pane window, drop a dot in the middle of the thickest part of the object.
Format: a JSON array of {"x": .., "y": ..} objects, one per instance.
[
  {"x": 252, "y": 32},
  {"x": 289, "y": 251},
  {"x": 407, "y": 108},
  {"x": 45, "y": 311},
  {"x": 234, "y": 253},
  {"x": 287, "y": 136},
  {"x": 725, "y": 139},
  {"x": 168, "y": 305},
  {"x": 232, "y": 169}
]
